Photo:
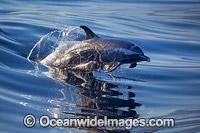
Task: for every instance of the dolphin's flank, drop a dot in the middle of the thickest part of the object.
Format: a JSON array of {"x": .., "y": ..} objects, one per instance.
[{"x": 96, "y": 53}]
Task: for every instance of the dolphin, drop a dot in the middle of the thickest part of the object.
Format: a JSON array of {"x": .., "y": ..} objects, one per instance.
[{"x": 95, "y": 53}]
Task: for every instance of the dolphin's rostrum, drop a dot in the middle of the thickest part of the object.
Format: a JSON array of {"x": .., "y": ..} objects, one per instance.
[{"x": 95, "y": 53}]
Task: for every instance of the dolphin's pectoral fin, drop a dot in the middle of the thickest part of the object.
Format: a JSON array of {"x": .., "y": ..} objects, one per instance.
[
  {"x": 113, "y": 66},
  {"x": 133, "y": 65},
  {"x": 89, "y": 33}
]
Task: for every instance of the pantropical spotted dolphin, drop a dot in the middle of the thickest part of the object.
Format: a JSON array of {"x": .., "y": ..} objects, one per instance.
[{"x": 95, "y": 53}]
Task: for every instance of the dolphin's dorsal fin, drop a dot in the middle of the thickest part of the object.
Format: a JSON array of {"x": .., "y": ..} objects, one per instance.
[{"x": 89, "y": 33}]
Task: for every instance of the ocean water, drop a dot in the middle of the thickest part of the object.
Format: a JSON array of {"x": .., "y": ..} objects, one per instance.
[{"x": 33, "y": 33}]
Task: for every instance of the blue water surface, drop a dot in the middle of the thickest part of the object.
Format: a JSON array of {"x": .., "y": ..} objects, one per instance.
[{"x": 167, "y": 87}]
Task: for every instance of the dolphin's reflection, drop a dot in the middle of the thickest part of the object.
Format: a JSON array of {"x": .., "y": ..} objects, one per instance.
[{"x": 97, "y": 98}]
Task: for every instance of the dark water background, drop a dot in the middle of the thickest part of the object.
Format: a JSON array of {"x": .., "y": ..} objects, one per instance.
[{"x": 168, "y": 86}]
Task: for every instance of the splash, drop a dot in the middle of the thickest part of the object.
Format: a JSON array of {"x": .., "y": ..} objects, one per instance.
[{"x": 53, "y": 44}]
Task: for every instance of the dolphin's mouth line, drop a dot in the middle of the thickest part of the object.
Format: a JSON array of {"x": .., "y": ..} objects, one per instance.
[
  {"x": 136, "y": 58},
  {"x": 144, "y": 58}
]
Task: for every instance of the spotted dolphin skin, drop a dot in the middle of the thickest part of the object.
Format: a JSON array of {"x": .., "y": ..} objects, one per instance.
[{"x": 95, "y": 53}]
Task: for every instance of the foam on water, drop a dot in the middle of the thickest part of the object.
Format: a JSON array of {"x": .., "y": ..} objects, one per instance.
[{"x": 53, "y": 44}]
